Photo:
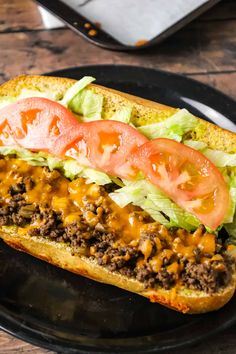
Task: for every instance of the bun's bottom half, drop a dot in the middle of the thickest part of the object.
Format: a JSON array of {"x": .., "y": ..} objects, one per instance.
[{"x": 60, "y": 255}]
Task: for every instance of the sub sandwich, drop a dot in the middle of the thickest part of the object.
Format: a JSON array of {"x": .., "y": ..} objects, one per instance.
[{"x": 119, "y": 189}]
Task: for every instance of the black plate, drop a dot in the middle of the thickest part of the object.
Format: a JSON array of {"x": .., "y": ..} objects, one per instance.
[{"x": 64, "y": 312}]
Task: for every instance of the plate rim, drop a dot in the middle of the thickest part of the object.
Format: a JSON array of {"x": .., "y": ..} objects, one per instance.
[{"x": 181, "y": 76}]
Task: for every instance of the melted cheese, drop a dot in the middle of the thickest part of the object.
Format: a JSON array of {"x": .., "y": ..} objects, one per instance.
[
  {"x": 71, "y": 198},
  {"x": 68, "y": 197}
]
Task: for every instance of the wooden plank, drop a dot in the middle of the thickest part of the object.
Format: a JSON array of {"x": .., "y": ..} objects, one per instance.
[
  {"x": 225, "y": 345},
  {"x": 18, "y": 15},
  {"x": 223, "y": 82},
  {"x": 226, "y": 9},
  {"x": 11, "y": 345},
  {"x": 200, "y": 48}
]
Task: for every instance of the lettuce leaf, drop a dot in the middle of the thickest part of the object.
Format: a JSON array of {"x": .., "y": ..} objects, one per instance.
[
  {"x": 220, "y": 158},
  {"x": 123, "y": 115},
  {"x": 217, "y": 157},
  {"x": 229, "y": 174},
  {"x": 231, "y": 230},
  {"x": 94, "y": 176},
  {"x": 6, "y": 100},
  {"x": 26, "y": 93},
  {"x": 34, "y": 159},
  {"x": 230, "y": 215},
  {"x": 131, "y": 193},
  {"x": 151, "y": 199},
  {"x": 70, "y": 168},
  {"x": 173, "y": 128},
  {"x": 195, "y": 144},
  {"x": 82, "y": 101},
  {"x": 54, "y": 163},
  {"x": 178, "y": 217},
  {"x": 153, "y": 211},
  {"x": 75, "y": 89},
  {"x": 88, "y": 104}
]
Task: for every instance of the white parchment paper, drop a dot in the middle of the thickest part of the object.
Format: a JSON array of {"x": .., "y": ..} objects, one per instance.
[{"x": 132, "y": 20}]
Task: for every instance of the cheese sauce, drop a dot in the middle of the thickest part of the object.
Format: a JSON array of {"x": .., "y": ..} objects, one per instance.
[{"x": 71, "y": 199}]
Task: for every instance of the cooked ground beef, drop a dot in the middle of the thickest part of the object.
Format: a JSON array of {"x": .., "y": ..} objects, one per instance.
[
  {"x": 207, "y": 277},
  {"x": 18, "y": 188},
  {"x": 150, "y": 279},
  {"x": 89, "y": 234},
  {"x": 51, "y": 225}
]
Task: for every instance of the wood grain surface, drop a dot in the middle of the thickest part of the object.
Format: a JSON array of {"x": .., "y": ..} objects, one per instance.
[{"x": 204, "y": 50}]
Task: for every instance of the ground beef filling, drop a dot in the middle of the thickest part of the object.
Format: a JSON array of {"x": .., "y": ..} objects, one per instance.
[{"x": 156, "y": 259}]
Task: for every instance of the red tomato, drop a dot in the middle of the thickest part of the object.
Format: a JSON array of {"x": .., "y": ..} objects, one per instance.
[
  {"x": 6, "y": 135},
  {"x": 187, "y": 177},
  {"x": 106, "y": 145},
  {"x": 37, "y": 124}
]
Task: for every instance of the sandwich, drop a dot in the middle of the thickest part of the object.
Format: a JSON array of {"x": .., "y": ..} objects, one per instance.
[{"x": 119, "y": 189}]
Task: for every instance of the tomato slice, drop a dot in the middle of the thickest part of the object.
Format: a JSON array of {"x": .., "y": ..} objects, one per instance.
[
  {"x": 37, "y": 124},
  {"x": 106, "y": 145},
  {"x": 118, "y": 149},
  {"x": 187, "y": 177}
]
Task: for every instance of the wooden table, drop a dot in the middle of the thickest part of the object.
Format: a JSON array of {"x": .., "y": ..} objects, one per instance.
[{"x": 204, "y": 50}]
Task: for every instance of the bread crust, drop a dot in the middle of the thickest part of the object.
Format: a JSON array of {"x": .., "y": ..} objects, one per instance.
[
  {"x": 143, "y": 111},
  {"x": 58, "y": 254}
]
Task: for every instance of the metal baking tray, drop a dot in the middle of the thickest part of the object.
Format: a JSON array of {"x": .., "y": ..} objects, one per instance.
[{"x": 123, "y": 20}]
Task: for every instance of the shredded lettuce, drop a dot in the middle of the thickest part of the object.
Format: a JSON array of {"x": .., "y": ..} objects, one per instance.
[
  {"x": 95, "y": 176},
  {"x": 136, "y": 193},
  {"x": 153, "y": 211},
  {"x": 173, "y": 128},
  {"x": 130, "y": 193},
  {"x": 54, "y": 163},
  {"x": 75, "y": 89},
  {"x": 230, "y": 219},
  {"x": 230, "y": 215},
  {"x": 123, "y": 115},
  {"x": 70, "y": 168},
  {"x": 194, "y": 144},
  {"x": 220, "y": 158},
  {"x": 230, "y": 176},
  {"x": 84, "y": 102},
  {"x": 178, "y": 217},
  {"x": 34, "y": 159},
  {"x": 6, "y": 100},
  {"x": 151, "y": 199},
  {"x": 26, "y": 93},
  {"x": 231, "y": 230},
  {"x": 88, "y": 104}
]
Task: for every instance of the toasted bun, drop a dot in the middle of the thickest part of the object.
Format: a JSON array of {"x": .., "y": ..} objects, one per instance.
[
  {"x": 143, "y": 112},
  {"x": 58, "y": 254}
]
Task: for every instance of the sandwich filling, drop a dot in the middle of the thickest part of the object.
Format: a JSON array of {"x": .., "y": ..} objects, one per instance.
[{"x": 46, "y": 204}]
